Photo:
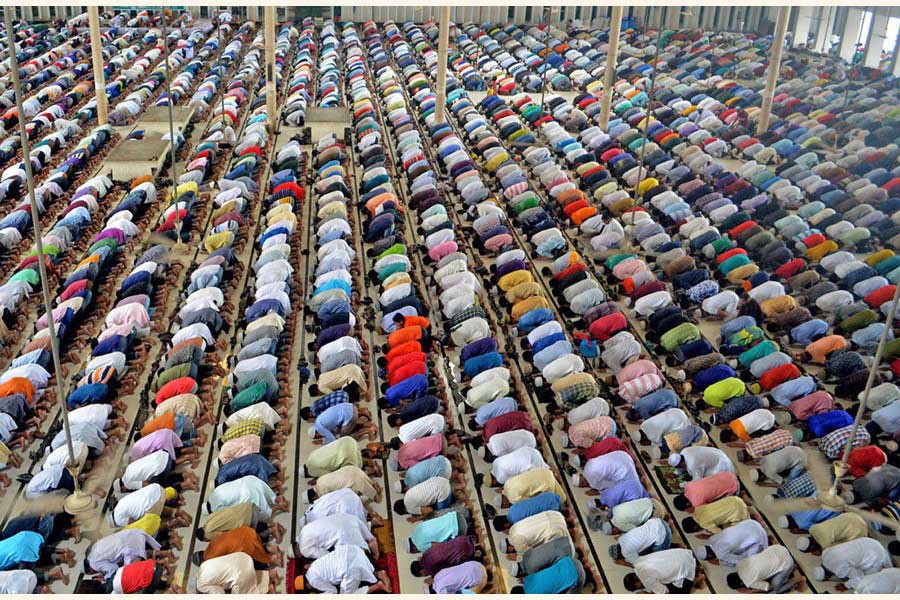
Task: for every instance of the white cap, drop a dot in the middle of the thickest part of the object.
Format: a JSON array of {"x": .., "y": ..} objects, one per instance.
[
  {"x": 564, "y": 440},
  {"x": 674, "y": 459},
  {"x": 819, "y": 574}
]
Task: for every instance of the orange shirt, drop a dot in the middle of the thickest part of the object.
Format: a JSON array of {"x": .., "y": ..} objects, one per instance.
[
  {"x": 243, "y": 539},
  {"x": 822, "y": 347}
]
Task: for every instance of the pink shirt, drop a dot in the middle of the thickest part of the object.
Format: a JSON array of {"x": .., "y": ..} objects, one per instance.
[
  {"x": 628, "y": 268},
  {"x": 129, "y": 314},
  {"x": 711, "y": 488},
  {"x": 421, "y": 449},
  {"x": 585, "y": 433},
  {"x": 443, "y": 249},
  {"x": 813, "y": 404},
  {"x": 640, "y": 386},
  {"x": 497, "y": 242},
  {"x": 238, "y": 447},
  {"x": 636, "y": 369},
  {"x": 161, "y": 439}
]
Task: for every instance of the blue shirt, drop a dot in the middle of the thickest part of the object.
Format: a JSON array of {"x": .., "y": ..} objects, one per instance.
[
  {"x": 333, "y": 419},
  {"x": 482, "y": 362},
  {"x": 707, "y": 377},
  {"x": 551, "y": 353},
  {"x": 436, "y": 466},
  {"x": 329, "y": 400},
  {"x": 547, "y": 340},
  {"x": 623, "y": 492},
  {"x": 533, "y": 319},
  {"x": 733, "y": 326},
  {"x": 560, "y": 577},
  {"x": 793, "y": 389},
  {"x": 495, "y": 408},
  {"x": 24, "y": 547},
  {"x": 824, "y": 423},
  {"x": 408, "y": 388},
  {"x": 249, "y": 464},
  {"x": 656, "y": 402},
  {"x": 806, "y": 333},
  {"x": 532, "y": 506}
]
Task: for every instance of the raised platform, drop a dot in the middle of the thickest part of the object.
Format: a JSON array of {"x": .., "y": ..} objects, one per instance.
[{"x": 134, "y": 158}]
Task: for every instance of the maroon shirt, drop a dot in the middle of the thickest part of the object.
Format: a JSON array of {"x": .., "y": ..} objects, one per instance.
[
  {"x": 510, "y": 421},
  {"x": 447, "y": 554}
]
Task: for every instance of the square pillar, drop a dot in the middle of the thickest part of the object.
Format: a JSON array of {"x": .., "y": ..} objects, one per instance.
[
  {"x": 804, "y": 24},
  {"x": 851, "y": 33},
  {"x": 876, "y": 38}
]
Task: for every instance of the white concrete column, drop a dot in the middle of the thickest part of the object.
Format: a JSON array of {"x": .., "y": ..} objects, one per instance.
[
  {"x": 519, "y": 15},
  {"x": 876, "y": 38},
  {"x": 609, "y": 75},
  {"x": 97, "y": 61},
  {"x": 269, "y": 22},
  {"x": 850, "y": 35},
  {"x": 443, "y": 38},
  {"x": 784, "y": 13},
  {"x": 823, "y": 31},
  {"x": 804, "y": 24}
]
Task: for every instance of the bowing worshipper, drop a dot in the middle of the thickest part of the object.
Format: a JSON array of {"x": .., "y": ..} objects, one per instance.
[
  {"x": 29, "y": 550},
  {"x": 734, "y": 544},
  {"x": 652, "y": 536},
  {"x": 108, "y": 554},
  {"x": 767, "y": 571},
  {"x": 344, "y": 419},
  {"x": 663, "y": 572},
  {"x": 345, "y": 570},
  {"x": 233, "y": 573},
  {"x": 344, "y": 451}
]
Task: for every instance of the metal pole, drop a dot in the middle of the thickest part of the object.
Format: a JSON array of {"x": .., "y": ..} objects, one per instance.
[
  {"x": 443, "y": 42},
  {"x": 609, "y": 75},
  {"x": 637, "y": 198},
  {"x": 171, "y": 128},
  {"x": 784, "y": 12},
  {"x": 223, "y": 71},
  {"x": 269, "y": 18},
  {"x": 97, "y": 58},
  {"x": 42, "y": 268},
  {"x": 840, "y": 467}
]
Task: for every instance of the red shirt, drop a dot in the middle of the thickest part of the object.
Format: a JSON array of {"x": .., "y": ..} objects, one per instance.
[
  {"x": 880, "y": 296},
  {"x": 864, "y": 459},
  {"x": 414, "y": 452},
  {"x": 182, "y": 385},
  {"x": 401, "y": 349},
  {"x": 511, "y": 421},
  {"x": 778, "y": 375},
  {"x": 406, "y": 371},
  {"x": 607, "y": 326},
  {"x": 790, "y": 268},
  {"x": 605, "y": 446},
  {"x": 137, "y": 576}
]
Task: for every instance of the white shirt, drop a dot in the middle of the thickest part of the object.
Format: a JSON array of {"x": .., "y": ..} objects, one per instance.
[
  {"x": 421, "y": 427},
  {"x": 886, "y": 581},
  {"x": 342, "y": 501},
  {"x": 674, "y": 566},
  {"x": 145, "y": 468},
  {"x": 755, "y": 570},
  {"x": 635, "y": 541},
  {"x": 741, "y": 540},
  {"x": 504, "y": 443},
  {"x": 120, "y": 548},
  {"x": 343, "y": 570},
  {"x": 19, "y": 581},
  {"x": 593, "y": 408},
  {"x": 854, "y": 559},
  {"x": 232, "y": 573},
  {"x": 429, "y": 492},
  {"x": 665, "y": 422},
  {"x": 319, "y": 537},
  {"x": 518, "y": 461},
  {"x": 703, "y": 461},
  {"x": 135, "y": 505}
]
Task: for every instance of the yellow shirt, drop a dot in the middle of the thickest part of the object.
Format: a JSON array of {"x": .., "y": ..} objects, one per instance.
[
  {"x": 340, "y": 378},
  {"x": 347, "y": 477},
  {"x": 228, "y": 518},
  {"x": 218, "y": 240},
  {"x": 531, "y": 483},
  {"x": 845, "y": 527},
  {"x": 511, "y": 280},
  {"x": 719, "y": 515},
  {"x": 523, "y": 291},
  {"x": 331, "y": 457},
  {"x": 149, "y": 524},
  {"x": 520, "y": 308}
]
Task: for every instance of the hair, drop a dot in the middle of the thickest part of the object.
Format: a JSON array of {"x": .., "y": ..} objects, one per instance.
[
  {"x": 399, "y": 507},
  {"x": 734, "y": 581},
  {"x": 632, "y": 582},
  {"x": 681, "y": 502},
  {"x": 306, "y": 413},
  {"x": 394, "y": 420}
]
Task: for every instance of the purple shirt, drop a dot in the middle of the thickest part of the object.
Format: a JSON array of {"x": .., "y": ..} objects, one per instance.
[
  {"x": 161, "y": 439},
  {"x": 464, "y": 576}
]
